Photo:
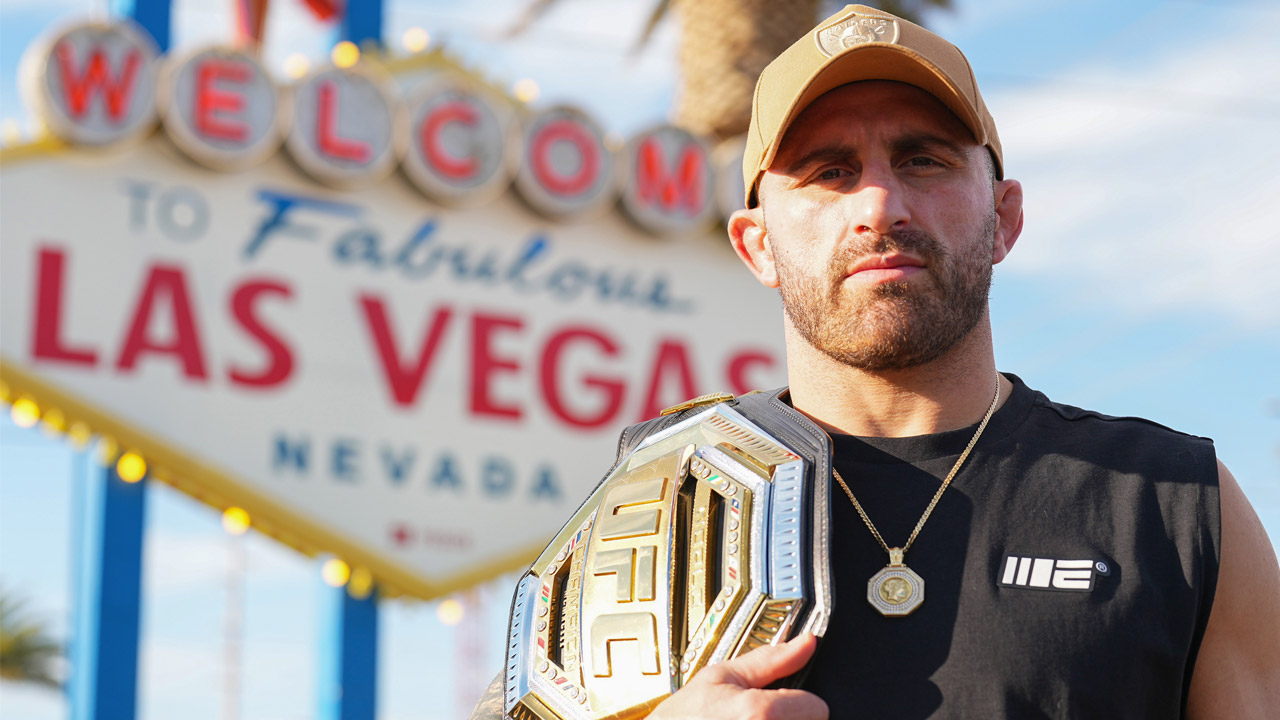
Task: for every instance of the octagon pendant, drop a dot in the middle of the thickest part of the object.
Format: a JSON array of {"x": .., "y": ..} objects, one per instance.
[{"x": 895, "y": 591}]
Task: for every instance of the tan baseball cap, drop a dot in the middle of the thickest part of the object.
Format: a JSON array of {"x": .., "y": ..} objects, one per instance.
[{"x": 860, "y": 43}]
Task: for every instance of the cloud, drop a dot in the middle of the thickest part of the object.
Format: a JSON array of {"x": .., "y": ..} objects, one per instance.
[{"x": 1154, "y": 187}]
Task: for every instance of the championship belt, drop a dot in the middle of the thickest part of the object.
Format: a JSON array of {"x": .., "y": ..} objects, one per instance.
[{"x": 705, "y": 541}]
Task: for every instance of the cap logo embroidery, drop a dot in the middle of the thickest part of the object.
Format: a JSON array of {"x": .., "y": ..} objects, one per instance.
[{"x": 855, "y": 30}]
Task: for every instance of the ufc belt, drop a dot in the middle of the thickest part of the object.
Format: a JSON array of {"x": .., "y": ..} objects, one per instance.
[{"x": 706, "y": 540}]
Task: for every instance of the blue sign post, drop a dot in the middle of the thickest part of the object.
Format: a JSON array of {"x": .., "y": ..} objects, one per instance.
[
  {"x": 108, "y": 587},
  {"x": 361, "y": 23},
  {"x": 110, "y": 515},
  {"x": 153, "y": 15},
  {"x": 348, "y": 682}
]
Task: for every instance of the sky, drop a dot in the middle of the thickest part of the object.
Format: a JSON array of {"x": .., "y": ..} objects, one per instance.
[{"x": 1143, "y": 284}]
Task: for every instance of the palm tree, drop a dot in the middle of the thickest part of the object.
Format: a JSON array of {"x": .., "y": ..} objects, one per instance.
[
  {"x": 724, "y": 44},
  {"x": 27, "y": 652}
]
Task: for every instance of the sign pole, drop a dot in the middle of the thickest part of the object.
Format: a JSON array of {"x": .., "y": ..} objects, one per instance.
[
  {"x": 361, "y": 23},
  {"x": 107, "y": 592},
  {"x": 111, "y": 514},
  {"x": 348, "y": 682},
  {"x": 153, "y": 15}
]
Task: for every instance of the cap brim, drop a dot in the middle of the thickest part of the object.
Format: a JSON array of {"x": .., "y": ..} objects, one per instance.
[{"x": 875, "y": 61}]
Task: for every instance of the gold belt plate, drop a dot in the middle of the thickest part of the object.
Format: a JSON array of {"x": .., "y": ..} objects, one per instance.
[{"x": 689, "y": 553}]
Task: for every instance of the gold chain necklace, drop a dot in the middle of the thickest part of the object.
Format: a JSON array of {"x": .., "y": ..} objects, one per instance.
[{"x": 897, "y": 590}]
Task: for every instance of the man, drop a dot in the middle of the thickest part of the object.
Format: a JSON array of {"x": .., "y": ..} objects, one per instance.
[{"x": 1078, "y": 565}]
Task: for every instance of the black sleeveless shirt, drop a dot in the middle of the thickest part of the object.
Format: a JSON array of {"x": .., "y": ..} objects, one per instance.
[{"x": 1069, "y": 569}]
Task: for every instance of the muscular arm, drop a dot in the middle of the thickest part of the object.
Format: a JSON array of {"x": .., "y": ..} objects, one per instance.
[{"x": 1237, "y": 673}]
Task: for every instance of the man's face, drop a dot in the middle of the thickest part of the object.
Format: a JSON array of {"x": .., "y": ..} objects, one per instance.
[{"x": 880, "y": 217}]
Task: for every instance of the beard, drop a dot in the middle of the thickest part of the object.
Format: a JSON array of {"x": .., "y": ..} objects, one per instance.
[{"x": 893, "y": 325}]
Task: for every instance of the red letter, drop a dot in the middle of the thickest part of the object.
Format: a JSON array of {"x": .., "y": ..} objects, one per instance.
[
  {"x": 657, "y": 188},
  {"x": 737, "y": 370},
  {"x": 484, "y": 365},
  {"x": 94, "y": 78},
  {"x": 589, "y": 158},
  {"x": 550, "y": 375},
  {"x": 47, "y": 343},
  {"x": 326, "y": 134},
  {"x": 448, "y": 165},
  {"x": 404, "y": 380},
  {"x": 323, "y": 9},
  {"x": 168, "y": 283},
  {"x": 210, "y": 101},
  {"x": 671, "y": 353},
  {"x": 281, "y": 364}
]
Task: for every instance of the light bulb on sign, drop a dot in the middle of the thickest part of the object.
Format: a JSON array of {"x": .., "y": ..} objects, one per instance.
[
  {"x": 450, "y": 612},
  {"x": 335, "y": 572},
  {"x": 415, "y": 40},
  {"x": 360, "y": 586},
  {"x": 25, "y": 413},
  {"x": 296, "y": 65},
  {"x": 79, "y": 435},
  {"x": 345, "y": 54},
  {"x": 235, "y": 520},
  {"x": 526, "y": 90},
  {"x": 131, "y": 467},
  {"x": 107, "y": 449},
  {"x": 53, "y": 422}
]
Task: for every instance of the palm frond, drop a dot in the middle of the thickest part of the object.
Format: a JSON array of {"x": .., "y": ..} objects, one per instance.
[
  {"x": 534, "y": 10},
  {"x": 27, "y": 651},
  {"x": 659, "y": 11}
]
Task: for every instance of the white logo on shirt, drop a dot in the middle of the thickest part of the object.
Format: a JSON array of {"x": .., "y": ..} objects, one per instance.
[{"x": 1051, "y": 574}]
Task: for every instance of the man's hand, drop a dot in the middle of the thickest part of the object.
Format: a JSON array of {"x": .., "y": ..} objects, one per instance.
[{"x": 735, "y": 688}]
